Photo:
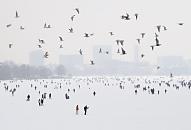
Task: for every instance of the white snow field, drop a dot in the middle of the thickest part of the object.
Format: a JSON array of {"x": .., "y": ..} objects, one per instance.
[{"x": 112, "y": 108}]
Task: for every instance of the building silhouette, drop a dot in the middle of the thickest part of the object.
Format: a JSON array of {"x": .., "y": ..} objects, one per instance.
[
  {"x": 136, "y": 54},
  {"x": 72, "y": 63},
  {"x": 102, "y": 54},
  {"x": 36, "y": 58},
  {"x": 173, "y": 64}
]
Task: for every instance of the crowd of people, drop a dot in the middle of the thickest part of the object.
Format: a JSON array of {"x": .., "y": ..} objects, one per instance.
[{"x": 136, "y": 85}]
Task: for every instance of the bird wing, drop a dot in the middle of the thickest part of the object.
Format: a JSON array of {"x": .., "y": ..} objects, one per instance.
[{"x": 77, "y": 10}]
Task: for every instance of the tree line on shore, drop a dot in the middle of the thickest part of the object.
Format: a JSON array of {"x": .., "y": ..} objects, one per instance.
[{"x": 10, "y": 70}]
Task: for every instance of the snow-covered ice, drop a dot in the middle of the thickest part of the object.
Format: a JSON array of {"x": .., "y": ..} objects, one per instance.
[{"x": 112, "y": 108}]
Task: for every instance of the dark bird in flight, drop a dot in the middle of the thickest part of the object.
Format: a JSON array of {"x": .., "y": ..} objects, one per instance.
[
  {"x": 111, "y": 33},
  {"x": 72, "y": 18},
  {"x": 158, "y": 28},
  {"x": 39, "y": 46},
  {"x": 88, "y": 35},
  {"x": 8, "y": 25},
  {"x": 117, "y": 42},
  {"x": 123, "y": 51},
  {"x": 100, "y": 50},
  {"x": 121, "y": 41},
  {"x": 180, "y": 23},
  {"x": 158, "y": 67},
  {"x": 77, "y": 10},
  {"x": 125, "y": 17},
  {"x": 46, "y": 55},
  {"x": 80, "y": 51},
  {"x": 71, "y": 30},
  {"x": 165, "y": 28},
  {"x": 41, "y": 41},
  {"x": 139, "y": 40},
  {"x": 136, "y": 16},
  {"x": 10, "y": 45},
  {"x": 143, "y": 35},
  {"x": 16, "y": 15},
  {"x": 92, "y": 62},
  {"x": 61, "y": 39},
  {"x": 22, "y": 28}
]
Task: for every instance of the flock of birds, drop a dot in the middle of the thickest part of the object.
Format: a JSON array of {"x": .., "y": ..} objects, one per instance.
[{"x": 119, "y": 42}]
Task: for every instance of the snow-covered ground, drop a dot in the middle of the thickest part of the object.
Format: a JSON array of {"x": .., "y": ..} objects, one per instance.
[{"x": 112, "y": 108}]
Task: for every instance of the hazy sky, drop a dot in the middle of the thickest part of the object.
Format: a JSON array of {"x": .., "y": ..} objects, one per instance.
[{"x": 98, "y": 17}]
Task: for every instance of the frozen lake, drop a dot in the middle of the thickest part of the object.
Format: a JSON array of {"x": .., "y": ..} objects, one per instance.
[{"x": 124, "y": 103}]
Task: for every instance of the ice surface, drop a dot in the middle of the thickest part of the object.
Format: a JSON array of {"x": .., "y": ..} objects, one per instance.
[{"x": 112, "y": 108}]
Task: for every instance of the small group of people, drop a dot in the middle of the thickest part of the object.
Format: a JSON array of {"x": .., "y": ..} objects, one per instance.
[{"x": 85, "y": 109}]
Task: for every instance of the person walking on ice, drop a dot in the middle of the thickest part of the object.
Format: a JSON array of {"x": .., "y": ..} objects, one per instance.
[
  {"x": 85, "y": 109},
  {"x": 77, "y": 109}
]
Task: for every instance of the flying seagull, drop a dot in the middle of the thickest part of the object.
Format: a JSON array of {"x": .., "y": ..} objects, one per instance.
[
  {"x": 61, "y": 39},
  {"x": 77, "y": 10},
  {"x": 41, "y": 41},
  {"x": 88, "y": 35},
  {"x": 121, "y": 41},
  {"x": 165, "y": 28},
  {"x": 125, "y": 17},
  {"x": 22, "y": 28},
  {"x": 8, "y": 25},
  {"x": 72, "y": 18},
  {"x": 111, "y": 33},
  {"x": 71, "y": 30},
  {"x": 138, "y": 40},
  {"x": 123, "y": 51},
  {"x": 46, "y": 55},
  {"x": 117, "y": 42},
  {"x": 158, "y": 28},
  {"x": 39, "y": 46},
  {"x": 180, "y": 23},
  {"x": 80, "y": 51},
  {"x": 16, "y": 15}
]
